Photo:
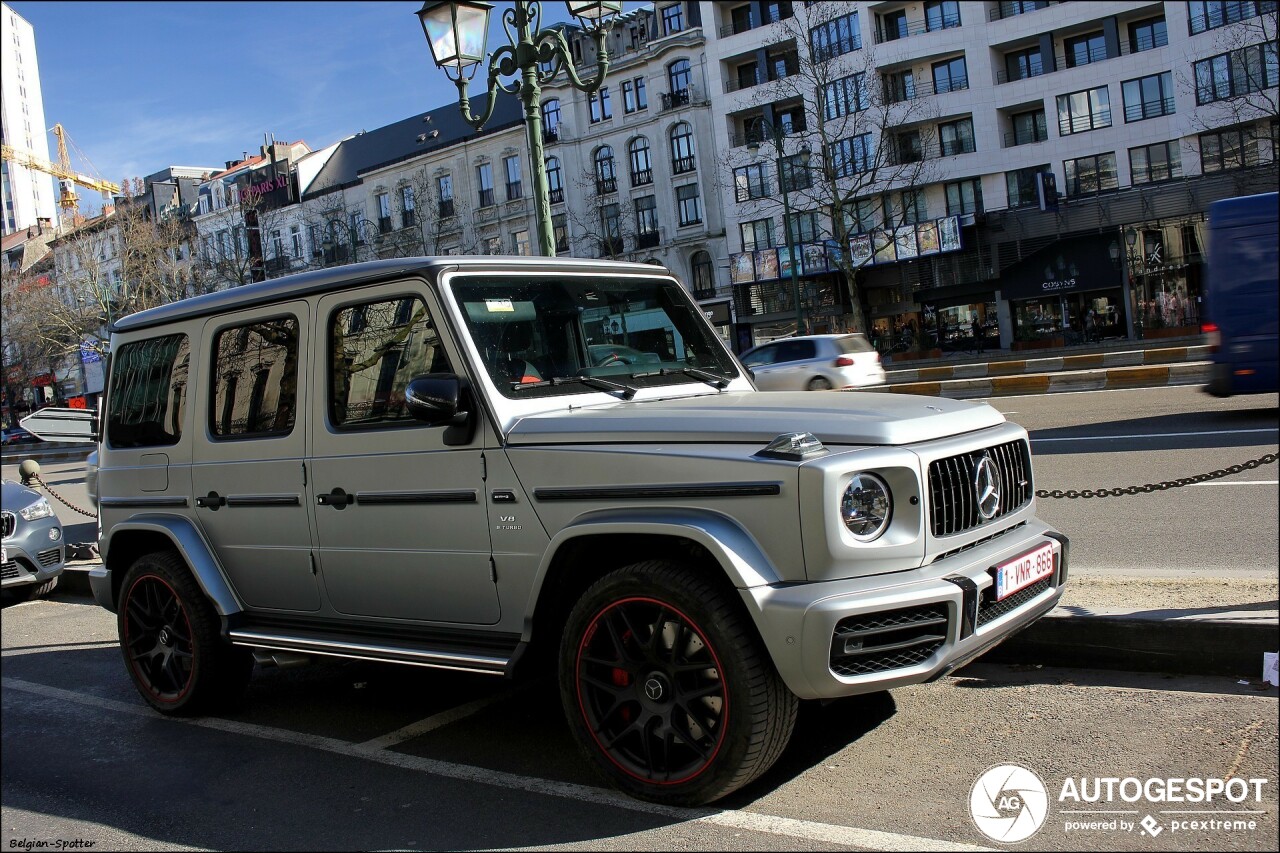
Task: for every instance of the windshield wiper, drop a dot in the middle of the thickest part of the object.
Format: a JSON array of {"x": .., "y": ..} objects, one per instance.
[
  {"x": 624, "y": 392},
  {"x": 713, "y": 379}
]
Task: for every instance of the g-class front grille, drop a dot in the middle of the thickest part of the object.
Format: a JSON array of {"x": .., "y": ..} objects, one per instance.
[
  {"x": 990, "y": 611},
  {"x": 892, "y": 639},
  {"x": 50, "y": 557},
  {"x": 953, "y": 496},
  {"x": 8, "y": 523}
]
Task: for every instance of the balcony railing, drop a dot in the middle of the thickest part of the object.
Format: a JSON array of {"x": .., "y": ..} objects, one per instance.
[
  {"x": 736, "y": 27},
  {"x": 384, "y": 224},
  {"x": 609, "y": 247},
  {"x": 641, "y": 178},
  {"x": 408, "y": 219},
  {"x": 746, "y": 80},
  {"x": 1148, "y": 109},
  {"x": 682, "y": 165},
  {"x": 753, "y": 191},
  {"x": 446, "y": 208},
  {"x": 896, "y": 91},
  {"x": 1013, "y": 138},
  {"x": 515, "y": 190},
  {"x": 1082, "y": 57},
  {"x": 915, "y": 28},
  {"x": 556, "y": 195},
  {"x": 551, "y": 134},
  {"x": 647, "y": 239},
  {"x": 1034, "y": 69},
  {"x": 1068, "y": 125},
  {"x": 673, "y": 100},
  {"x": 486, "y": 198},
  {"x": 1010, "y": 10},
  {"x": 604, "y": 186}
]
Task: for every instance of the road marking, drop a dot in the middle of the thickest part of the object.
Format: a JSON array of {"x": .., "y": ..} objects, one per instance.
[
  {"x": 1158, "y": 435},
  {"x": 804, "y": 830},
  {"x": 435, "y": 721},
  {"x": 1241, "y": 483}
]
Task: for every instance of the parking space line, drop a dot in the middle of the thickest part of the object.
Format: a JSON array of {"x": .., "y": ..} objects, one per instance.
[
  {"x": 804, "y": 830},
  {"x": 87, "y": 646},
  {"x": 435, "y": 721}
]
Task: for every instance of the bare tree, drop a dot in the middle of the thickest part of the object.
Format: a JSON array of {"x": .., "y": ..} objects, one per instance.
[
  {"x": 443, "y": 221},
  {"x": 610, "y": 226},
  {"x": 853, "y": 139},
  {"x": 1236, "y": 90}
]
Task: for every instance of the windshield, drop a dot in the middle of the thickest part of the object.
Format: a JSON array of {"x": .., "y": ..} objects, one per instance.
[{"x": 639, "y": 332}]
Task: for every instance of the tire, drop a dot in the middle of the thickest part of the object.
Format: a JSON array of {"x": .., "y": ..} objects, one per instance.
[
  {"x": 33, "y": 592},
  {"x": 171, "y": 641},
  {"x": 667, "y": 687},
  {"x": 818, "y": 383}
]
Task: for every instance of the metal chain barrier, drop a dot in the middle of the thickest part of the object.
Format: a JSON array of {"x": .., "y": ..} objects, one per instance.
[
  {"x": 50, "y": 490},
  {"x": 1158, "y": 487}
]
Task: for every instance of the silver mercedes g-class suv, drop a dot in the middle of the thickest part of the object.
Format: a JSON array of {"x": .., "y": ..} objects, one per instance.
[{"x": 455, "y": 462}]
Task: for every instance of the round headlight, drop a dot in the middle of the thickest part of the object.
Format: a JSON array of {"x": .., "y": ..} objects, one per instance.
[{"x": 866, "y": 507}]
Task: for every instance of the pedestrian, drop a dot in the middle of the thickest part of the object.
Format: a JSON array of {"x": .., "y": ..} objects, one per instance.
[
  {"x": 976, "y": 327},
  {"x": 1090, "y": 326}
]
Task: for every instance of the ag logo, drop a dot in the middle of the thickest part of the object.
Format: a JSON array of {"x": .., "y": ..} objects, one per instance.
[{"x": 1009, "y": 803}]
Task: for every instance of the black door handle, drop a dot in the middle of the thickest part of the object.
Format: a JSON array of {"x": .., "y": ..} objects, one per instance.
[
  {"x": 211, "y": 501},
  {"x": 338, "y": 499}
]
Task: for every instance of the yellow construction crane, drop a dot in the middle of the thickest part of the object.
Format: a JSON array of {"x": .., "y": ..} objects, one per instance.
[{"x": 67, "y": 177}]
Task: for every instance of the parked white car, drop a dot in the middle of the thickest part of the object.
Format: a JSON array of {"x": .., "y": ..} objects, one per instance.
[{"x": 815, "y": 363}]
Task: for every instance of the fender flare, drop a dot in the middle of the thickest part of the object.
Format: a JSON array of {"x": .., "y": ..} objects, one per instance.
[
  {"x": 193, "y": 547},
  {"x": 737, "y": 551}
]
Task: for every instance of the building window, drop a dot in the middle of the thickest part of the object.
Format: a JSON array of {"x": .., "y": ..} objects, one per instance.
[
  {"x": 756, "y": 234},
  {"x": 1081, "y": 50},
  {"x": 295, "y": 237},
  {"x": 950, "y": 75},
  {"x": 444, "y": 190},
  {"x": 633, "y": 96},
  {"x": 606, "y": 174},
  {"x": 1021, "y": 64},
  {"x": 384, "y": 213},
  {"x": 1029, "y": 127},
  {"x": 1089, "y": 175},
  {"x": 900, "y": 87},
  {"x": 277, "y": 244},
  {"x": 672, "y": 19},
  {"x": 850, "y": 156},
  {"x": 844, "y": 96},
  {"x": 1227, "y": 149},
  {"x": 795, "y": 173},
  {"x": 1083, "y": 111},
  {"x": 1148, "y": 97},
  {"x": 484, "y": 178},
  {"x": 408, "y": 214},
  {"x": 520, "y": 243},
  {"x": 678, "y": 77},
  {"x": 1150, "y": 164},
  {"x": 861, "y": 216},
  {"x": 555, "y": 180},
  {"x": 611, "y": 229},
  {"x": 893, "y": 26},
  {"x": 255, "y": 380},
  {"x": 909, "y": 147},
  {"x": 1240, "y": 72},
  {"x": 804, "y": 227},
  {"x": 740, "y": 17},
  {"x": 551, "y": 119},
  {"x": 1211, "y": 14},
  {"x": 1022, "y": 186},
  {"x": 646, "y": 221},
  {"x": 682, "y": 148},
  {"x": 704, "y": 284},
  {"x": 511, "y": 165},
  {"x": 491, "y": 245},
  {"x": 641, "y": 162},
  {"x": 835, "y": 37},
  {"x": 941, "y": 14},
  {"x": 750, "y": 182},
  {"x": 956, "y": 137},
  {"x": 689, "y": 204},
  {"x": 912, "y": 207},
  {"x": 964, "y": 197},
  {"x": 560, "y": 229},
  {"x": 1148, "y": 34},
  {"x": 600, "y": 106}
]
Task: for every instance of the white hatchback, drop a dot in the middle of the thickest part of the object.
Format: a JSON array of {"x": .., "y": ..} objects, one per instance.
[{"x": 815, "y": 363}]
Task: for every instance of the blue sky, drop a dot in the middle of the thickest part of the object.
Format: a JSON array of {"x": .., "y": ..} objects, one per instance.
[{"x": 141, "y": 86}]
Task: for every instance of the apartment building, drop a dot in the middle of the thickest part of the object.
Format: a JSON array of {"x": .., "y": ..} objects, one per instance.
[
  {"x": 26, "y": 195},
  {"x": 1024, "y": 164}
]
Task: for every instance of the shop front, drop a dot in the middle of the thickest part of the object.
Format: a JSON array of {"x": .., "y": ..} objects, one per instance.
[
  {"x": 1165, "y": 267},
  {"x": 1071, "y": 292}
]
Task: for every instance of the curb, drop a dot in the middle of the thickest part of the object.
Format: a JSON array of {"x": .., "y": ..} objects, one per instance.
[
  {"x": 1110, "y": 378},
  {"x": 1221, "y": 647},
  {"x": 1051, "y": 364}
]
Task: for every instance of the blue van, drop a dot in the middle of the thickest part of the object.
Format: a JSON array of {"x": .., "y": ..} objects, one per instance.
[{"x": 1241, "y": 295}]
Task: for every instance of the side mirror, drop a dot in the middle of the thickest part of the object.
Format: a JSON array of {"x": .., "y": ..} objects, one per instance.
[{"x": 436, "y": 399}]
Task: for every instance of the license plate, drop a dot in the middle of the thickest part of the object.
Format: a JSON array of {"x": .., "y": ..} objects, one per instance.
[
  {"x": 4, "y": 555},
  {"x": 1021, "y": 572}
]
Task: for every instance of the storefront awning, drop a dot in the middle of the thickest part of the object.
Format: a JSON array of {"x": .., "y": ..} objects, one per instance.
[{"x": 1072, "y": 265}]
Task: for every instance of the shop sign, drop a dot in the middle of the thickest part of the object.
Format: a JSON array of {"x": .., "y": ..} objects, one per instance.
[
  {"x": 42, "y": 380},
  {"x": 89, "y": 355},
  {"x": 1067, "y": 266},
  {"x": 77, "y": 403},
  {"x": 718, "y": 314}
]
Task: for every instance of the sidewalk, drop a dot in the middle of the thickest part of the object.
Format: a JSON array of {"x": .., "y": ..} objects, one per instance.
[{"x": 1124, "y": 364}]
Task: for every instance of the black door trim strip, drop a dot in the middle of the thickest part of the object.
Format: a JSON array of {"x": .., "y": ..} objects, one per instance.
[
  {"x": 460, "y": 496},
  {"x": 263, "y": 500},
  {"x": 139, "y": 503},
  {"x": 709, "y": 490}
]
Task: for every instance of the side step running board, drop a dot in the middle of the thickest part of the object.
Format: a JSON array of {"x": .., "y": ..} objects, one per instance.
[{"x": 269, "y": 638}]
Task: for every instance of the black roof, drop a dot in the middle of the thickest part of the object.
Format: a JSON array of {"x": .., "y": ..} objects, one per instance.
[{"x": 373, "y": 149}]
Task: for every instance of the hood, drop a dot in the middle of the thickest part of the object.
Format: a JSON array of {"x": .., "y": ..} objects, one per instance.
[
  {"x": 759, "y": 417},
  {"x": 14, "y": 496}
]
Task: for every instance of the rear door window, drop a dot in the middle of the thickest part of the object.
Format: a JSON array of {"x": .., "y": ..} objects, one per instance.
[{"x": 148, "y": 395}]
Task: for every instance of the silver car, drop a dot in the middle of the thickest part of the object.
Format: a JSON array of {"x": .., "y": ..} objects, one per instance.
[
  {"x": 32, "y": 554},
  {"x": 815, "y": 363}
]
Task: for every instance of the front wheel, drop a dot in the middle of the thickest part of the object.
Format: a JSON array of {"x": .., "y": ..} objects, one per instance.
[
  {"x": 170, "y": 638},
  {"x": 667, "y": 687}
]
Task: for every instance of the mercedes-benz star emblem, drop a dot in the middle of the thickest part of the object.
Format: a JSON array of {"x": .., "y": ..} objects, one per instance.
[
  {"x": 653, "y": 689},
  {"x": 986, "y": 487}
]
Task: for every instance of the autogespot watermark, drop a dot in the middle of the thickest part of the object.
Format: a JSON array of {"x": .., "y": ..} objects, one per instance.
[{"x": 1010, "y": 803}]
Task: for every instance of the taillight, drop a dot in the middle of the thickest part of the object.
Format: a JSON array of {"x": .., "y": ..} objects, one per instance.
[
  {"x": 1214, "y": 335},
  {"x": 844, "y": 361}
]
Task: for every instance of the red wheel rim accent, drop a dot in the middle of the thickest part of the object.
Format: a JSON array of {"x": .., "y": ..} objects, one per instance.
[
  {"x": 157, "y": 640},
  {"x": 667, "y": 723}
]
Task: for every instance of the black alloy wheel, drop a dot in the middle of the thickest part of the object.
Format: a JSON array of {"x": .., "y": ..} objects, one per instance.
[
  {"x": 650, "y": 688},
  {"x": 157, "y": 639}
]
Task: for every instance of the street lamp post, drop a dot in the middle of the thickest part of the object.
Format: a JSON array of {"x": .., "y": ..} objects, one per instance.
[
  {"x": 457, "y": 31},
  {"x": 754, "y": 147}
]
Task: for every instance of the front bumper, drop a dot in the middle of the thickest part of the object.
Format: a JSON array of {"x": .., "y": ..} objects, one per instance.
[
  {"x": 932, "y": 620},
  {"x": 27, "y": 564}
]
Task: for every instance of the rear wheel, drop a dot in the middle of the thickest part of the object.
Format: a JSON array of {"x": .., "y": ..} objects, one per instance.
[
  {"x": 818, "y": 383},
  {"x": 667, "y": 688},
  {"x": 170, "y": 638}
]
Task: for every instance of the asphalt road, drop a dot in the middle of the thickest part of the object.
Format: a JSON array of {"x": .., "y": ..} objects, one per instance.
[{"x": 344, "y": 755}]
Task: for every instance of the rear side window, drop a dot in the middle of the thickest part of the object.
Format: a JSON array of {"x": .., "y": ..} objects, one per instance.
[
  {"x": 853, "y": 343},
  {"x": 376, "y": 348},
  {"x": 147, "y": 398},
  {"x": 796, "y": 350},
  {"x": 255, "y": 379}
]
